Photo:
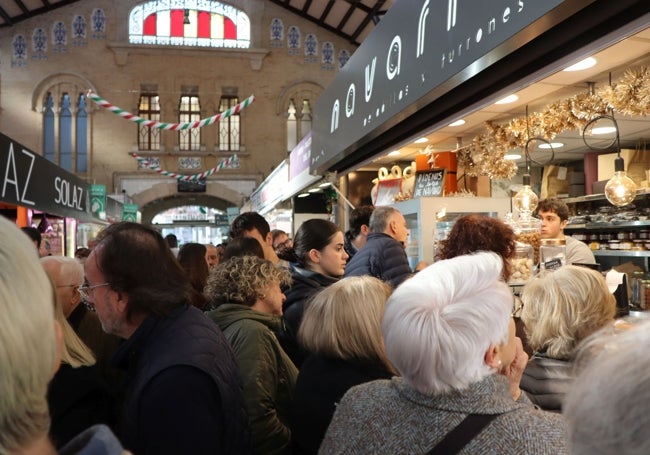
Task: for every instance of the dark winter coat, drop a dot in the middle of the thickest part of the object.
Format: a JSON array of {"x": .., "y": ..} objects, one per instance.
[
  {"x": 546, "y": 381},
  {"x": 382, "y": 257},
  {"x": 321, "y": 384},
  {"x": 267, "y": 372},
  {"x": 184, "y": 393},
  {"x": 78, "y": 398},
  {"x": 305, "y": 284}
]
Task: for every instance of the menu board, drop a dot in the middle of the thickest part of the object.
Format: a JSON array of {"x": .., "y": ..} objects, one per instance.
[{"x": 429, "y": 183}]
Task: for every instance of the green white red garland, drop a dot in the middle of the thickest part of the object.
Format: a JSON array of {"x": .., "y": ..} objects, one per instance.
[
  {"x": 201, "y": 175},
  {"x": 169, "y": 126}
]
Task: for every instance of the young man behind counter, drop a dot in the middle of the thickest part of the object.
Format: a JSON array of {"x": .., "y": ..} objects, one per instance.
[{"x": 554, "y": 214}]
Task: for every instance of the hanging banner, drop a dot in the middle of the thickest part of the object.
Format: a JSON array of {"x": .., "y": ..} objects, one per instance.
[
  {"x": 130, "y": 212},
  {"x": 98, "y": 201}
]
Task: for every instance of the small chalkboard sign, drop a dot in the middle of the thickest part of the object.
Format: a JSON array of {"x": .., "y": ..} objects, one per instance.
[{"x": 429, "y": 183}]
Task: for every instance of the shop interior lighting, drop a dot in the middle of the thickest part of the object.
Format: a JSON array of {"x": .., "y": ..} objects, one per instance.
[
  {"x": 395, "y": 153},
  {"x": 551, "y": 145},
  {"x": 587, "y": 63},
  {"x": 314, "y": 190},
  {"x": 303, "y": 195},
  {"x": 511, "y": 156},
  {"x": 620, "y": 190},
  {"x": 421, "y": 140},
  {"x": 458, "y": 122},
  {"x": 600, "y": 130},
  {"x": 525, "y": 201},
  {"x": 508, "y": 99},
  {"x": 324, "y": 185}
]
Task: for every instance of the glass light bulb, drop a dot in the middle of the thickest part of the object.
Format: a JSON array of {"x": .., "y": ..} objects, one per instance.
[
  {"x": 525, "y": 201},
  {"x": 620, "y": 189}
]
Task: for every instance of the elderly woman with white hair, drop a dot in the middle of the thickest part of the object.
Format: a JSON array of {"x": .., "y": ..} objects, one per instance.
[{"x": 449, "y": 333}]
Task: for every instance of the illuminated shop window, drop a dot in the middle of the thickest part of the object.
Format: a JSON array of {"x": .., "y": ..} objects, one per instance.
[
  {"x": 189, "y": 111},
  {"x": 149, "y": 108},
  {"x": 189, "y": 23},
  {"x": 229, "y": 127}
]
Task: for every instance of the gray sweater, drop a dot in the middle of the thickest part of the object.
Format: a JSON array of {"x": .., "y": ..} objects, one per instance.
[{"x": 389, "y": 417}]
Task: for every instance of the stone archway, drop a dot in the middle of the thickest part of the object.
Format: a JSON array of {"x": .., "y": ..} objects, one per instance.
[{"x": 163, "y": 196}]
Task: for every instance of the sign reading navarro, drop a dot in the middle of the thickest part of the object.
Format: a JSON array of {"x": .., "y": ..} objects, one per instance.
[
  {"x": 417, "y": 46},
  {"x": 29, "y": 180}
]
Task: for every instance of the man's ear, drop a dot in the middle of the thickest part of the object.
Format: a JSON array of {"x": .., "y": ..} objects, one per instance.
[
  {"x": 563, "y": 224},
  {"x": 269, "y": 239},
  {"x": 122, "y": 301},
  {"x": 365, "y": 229},
  {"x": 493, "y": 357}
]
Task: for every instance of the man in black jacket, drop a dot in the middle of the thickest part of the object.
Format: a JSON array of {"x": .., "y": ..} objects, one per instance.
[
  {"x": 383, "y": 255},
  {"x": 183, "y": 393}
]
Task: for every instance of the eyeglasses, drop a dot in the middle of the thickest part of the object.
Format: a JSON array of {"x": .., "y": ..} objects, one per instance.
[
  {"x": 86, "y": 291},
  {"x": 67, "y": 286},
  {"x": 518, "y": 305}
]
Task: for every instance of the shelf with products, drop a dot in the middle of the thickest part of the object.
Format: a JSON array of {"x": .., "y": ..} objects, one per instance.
[{"x": 616, "y": 235}]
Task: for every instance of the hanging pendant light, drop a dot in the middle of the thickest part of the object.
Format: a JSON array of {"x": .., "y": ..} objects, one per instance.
[
  {"x": 525, "y": 201},
  {"x": 620, "y": 190}
]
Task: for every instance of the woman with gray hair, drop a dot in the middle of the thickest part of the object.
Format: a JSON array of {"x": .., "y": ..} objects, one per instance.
[
  {"x": 449, "y": 333},
  {"x": 606, "y": 407},
  {"x": 560, "y": 309}
]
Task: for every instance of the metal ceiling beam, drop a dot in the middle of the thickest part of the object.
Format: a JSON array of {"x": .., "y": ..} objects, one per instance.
[
  {"x": 369, "y": 17},
  {"x": 293, "y": 9},
  {"x": 11, "y": 21}
]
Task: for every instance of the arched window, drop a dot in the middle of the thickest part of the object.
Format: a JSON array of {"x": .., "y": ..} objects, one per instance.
[
  {"x": 295, "y": 104},
  {"x": 189, "y": 23},
  {"x": 66, "y": 127},
  {"x": 298, "y": 122}
]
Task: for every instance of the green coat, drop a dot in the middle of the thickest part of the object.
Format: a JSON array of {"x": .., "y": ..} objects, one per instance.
[{"x": 267, "y": 372}]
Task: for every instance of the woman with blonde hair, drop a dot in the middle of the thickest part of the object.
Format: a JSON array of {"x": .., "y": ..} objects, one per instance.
[
  {"x": 341, "y": 329},
  {"x": 560, "y": 309}
]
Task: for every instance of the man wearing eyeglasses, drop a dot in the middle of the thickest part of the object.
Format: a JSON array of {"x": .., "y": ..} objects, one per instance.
[{"x": 183, "y": 393}]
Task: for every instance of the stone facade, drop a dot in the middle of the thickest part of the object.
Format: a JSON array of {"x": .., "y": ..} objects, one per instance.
[{"x": 272, "y": 70}]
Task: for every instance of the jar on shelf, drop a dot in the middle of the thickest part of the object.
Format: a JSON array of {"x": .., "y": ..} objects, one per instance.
[
  {"x": 522, "y": 264},
  {"x": 529, "y": 231},
  {"x": 552, "y": 254}
]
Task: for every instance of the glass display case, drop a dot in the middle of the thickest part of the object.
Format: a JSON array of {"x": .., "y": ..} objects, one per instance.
[{"x": 427, "y": 216}]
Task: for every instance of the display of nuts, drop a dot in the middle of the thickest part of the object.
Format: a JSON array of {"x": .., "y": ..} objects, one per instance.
[
  {"x": 534, "y": 239},
  {"x": 522, "y": 270}
]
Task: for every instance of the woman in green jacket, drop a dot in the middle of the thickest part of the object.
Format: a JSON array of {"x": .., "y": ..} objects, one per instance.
[{"x": 246, "y": 294}]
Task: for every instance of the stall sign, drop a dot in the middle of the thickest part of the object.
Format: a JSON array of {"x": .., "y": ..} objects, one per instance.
[
  {"x": 419, "y": 46},
  {"x": 130, "y": 212},
  {"x": 29, "y": 180},
  {"x": 429, "y": 183},
  {"x": 98, "y": 201},
  {"x": 270, "y": 192}
]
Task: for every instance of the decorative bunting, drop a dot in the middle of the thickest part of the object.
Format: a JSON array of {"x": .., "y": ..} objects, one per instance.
[
  {"x": 169, "y": 126},
  {"x": 201, "y": 175}
]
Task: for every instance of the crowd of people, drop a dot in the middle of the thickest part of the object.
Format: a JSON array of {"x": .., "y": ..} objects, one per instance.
[{"x": 327, "y": 342}]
